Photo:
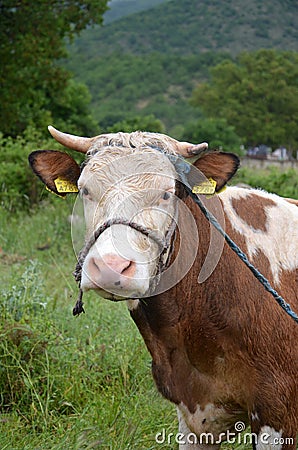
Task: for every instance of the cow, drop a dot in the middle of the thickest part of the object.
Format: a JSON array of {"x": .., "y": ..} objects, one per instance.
[{"x": 223, "y": 351}]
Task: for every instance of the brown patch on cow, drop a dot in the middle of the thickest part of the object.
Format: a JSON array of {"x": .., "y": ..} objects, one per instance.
[
  {"x": 251, "y": 210},
  {"x": 50, "y": 165},
  {"x": 289, "y": 285}
]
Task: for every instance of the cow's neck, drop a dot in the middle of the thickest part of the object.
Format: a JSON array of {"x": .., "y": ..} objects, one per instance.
[{"x": 162, "y": 322}]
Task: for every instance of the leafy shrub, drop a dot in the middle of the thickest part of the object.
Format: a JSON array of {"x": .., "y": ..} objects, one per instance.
[
  {"x": 24, "y": 299},
  {"x": 273, "y": 180},
  {"x": 146, "y": 123},
  {"x": 216, "y": 132},
  {"x": 19, "y": 187}
]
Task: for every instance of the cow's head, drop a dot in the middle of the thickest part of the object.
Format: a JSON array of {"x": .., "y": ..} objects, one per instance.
[{"x": 128, "y": 184}]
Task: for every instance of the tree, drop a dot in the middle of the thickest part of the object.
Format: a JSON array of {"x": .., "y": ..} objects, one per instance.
[
  {"x": 257, "y": 94},
  {"x": 32, "y": 40},
  {"x": 216, "y": 132},
  {"x": 145, "y": 123}
]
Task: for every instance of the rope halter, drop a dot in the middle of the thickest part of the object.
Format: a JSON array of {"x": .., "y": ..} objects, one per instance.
[{"x": 162, "y": 243}]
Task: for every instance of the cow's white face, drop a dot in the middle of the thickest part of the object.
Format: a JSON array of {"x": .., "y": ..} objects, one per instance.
[
  {"x": 135, "y": 185},
  {"x": 133, "y": 182}
]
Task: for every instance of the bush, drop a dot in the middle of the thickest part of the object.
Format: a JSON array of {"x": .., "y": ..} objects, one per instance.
[
  {"x": 284, "y": 184},
  {"x": 19, "y": 186},
  {"x": 145, "y": 123},
  {"x": 216, "y": 132}
]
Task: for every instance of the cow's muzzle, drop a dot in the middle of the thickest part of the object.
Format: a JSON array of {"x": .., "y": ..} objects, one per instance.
[{"x": 163, "y": 244}]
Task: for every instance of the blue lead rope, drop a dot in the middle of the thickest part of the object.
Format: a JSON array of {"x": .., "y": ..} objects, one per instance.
[
  {"x": 280, "y": 300},
  {"x": 183, "y": 169}
]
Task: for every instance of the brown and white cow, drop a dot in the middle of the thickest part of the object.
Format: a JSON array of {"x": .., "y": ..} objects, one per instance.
[{"x": 222, "y": 350}]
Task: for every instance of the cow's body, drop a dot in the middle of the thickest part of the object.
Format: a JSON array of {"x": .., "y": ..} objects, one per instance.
[{"x": 223, "y": 350}]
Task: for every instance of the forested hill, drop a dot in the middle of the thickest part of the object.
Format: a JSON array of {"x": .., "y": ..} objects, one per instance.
[
  {"x": 122, "y": 8},
  {"x": 148, "y": 63},
  {"x": 192, "y": 26}
]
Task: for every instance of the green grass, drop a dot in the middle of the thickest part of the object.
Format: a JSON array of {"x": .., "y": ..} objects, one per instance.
[
  {"x": 271, "y": 179},
  {"x": 65, "y": 382}
]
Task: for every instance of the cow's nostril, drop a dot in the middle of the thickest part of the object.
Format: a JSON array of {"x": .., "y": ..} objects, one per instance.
[
  {"x": 125, "y": 266},
  {"x": 129, "y": 270},
  {"x": 96, "y": 267}
]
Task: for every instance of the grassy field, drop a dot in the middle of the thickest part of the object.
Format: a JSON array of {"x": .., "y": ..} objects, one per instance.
[{"x": 65, "y": 382}]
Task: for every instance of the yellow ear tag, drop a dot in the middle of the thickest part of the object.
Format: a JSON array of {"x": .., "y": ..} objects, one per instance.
[
  {"x": 222, "y": 190},
  {"x": 55, "y": 193},
  {"x": 64, "y": 186},
  {"x": 206, "y": 187}
]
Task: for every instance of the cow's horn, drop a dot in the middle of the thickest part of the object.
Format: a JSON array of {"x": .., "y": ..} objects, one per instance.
[
  {"x": 187, "y": 150},
  {"x": 80, "y": 144}
]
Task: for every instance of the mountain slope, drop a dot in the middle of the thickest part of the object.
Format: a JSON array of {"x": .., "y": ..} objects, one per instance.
[
  {"x": 123, "y": 8},
  {"x": 149, "y": 62},
  {"x": 193, "y": 26}
]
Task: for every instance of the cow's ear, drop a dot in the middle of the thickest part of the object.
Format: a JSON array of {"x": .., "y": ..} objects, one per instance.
[
  {"x": 57, "y": 170},
  {"x": 220, "y": 166}
]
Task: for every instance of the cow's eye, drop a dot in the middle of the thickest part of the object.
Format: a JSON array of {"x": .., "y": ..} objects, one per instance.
[
  {"x": 84, "y": 191},
  {"x": 166, "y": 195}
]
